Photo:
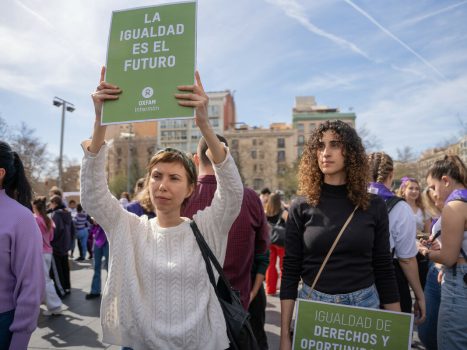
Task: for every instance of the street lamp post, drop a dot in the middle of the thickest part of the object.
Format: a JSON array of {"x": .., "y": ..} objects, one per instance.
[{"x": 57, "y": 102}]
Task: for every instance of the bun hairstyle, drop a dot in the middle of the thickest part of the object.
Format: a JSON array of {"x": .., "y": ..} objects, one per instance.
[
  {"x": 15, "y": 183},
  {"x": 451, "y": 166},
  {"x": 40, "y": 204}
]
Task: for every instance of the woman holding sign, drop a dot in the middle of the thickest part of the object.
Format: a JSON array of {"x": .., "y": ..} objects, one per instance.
[
  {"x": 333, "y": 177},
  {"x": 448, "y": 178},
  {"x": 158, "y": 294}
]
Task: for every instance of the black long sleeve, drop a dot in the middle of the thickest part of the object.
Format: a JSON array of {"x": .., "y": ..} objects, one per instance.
[{"x": 362, "y": 256}]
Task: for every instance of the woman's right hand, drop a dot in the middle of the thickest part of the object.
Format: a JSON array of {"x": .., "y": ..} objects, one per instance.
[{"x": 104, "y": 91}]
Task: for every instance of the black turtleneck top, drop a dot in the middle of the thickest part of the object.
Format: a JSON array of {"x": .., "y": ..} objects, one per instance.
[{"x": 362, "y": 255}]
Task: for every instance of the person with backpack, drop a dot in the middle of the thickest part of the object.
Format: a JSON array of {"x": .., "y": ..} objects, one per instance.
[
  {"x": 61, "y": 244},
  {"x": 448, "y": 178},
  {"x": 402, "y": 229},
  {"x": 332, "y": 176}
]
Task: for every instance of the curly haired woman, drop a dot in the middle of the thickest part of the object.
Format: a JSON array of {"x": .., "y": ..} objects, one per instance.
[{"x": 333, "y": 177}]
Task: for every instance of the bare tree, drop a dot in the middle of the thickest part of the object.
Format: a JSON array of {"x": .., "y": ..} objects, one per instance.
[
  {"x": 32, "y": 152},
  {"x": 454, "y": 138},
  {"x": 288, "y": 181},
  {"x": 370, "y": 141},
  {"x": 405, "y": 155},
  {"x": 3, "y": 129},
  {"x": 462, "y": 126}
]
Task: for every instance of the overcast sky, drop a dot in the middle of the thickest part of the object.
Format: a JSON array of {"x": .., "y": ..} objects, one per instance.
[{"x": 400, "y": 65}]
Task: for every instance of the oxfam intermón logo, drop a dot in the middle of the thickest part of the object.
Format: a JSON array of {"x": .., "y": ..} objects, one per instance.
[{"x": 147, "y": 92}]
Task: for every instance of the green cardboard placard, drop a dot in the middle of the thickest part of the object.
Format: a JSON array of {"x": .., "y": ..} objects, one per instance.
[
  {"x": 324, "y": 326},
  {"x": 151, "y": 51}
]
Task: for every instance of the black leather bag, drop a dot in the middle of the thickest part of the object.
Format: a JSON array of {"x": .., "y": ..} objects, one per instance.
[
  {"x": 237, "y": 319},
  {"x": 278, "y": 233}
]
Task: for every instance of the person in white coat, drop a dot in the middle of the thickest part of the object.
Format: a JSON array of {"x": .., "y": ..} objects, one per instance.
[{"x": 158, "y": 294}]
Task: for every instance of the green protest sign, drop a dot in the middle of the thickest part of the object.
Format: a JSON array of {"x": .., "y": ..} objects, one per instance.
[
  {"x": 151, "y": 50},
  {"x": 323, "y": 326}
]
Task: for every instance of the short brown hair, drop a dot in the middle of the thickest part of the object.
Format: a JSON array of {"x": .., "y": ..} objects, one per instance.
[
  {"x": 172, "y": 155},
  {"x": 167, "y": 155}
]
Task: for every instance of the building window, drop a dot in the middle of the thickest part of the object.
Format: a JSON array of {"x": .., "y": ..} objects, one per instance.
[
  {"x": 260, "y": 142},
  {"x": 253, "y": 154},
  {"x": 258, "y": 184},
  {"x": 255, "y": 168},
  {"x": 301, "y": 140},
  {"x": 119, "y": 151},
  {"x": 301, "y": 127},
  {"x": 281, "y": 142},
  {"x": 234, "y": 143},
  {"x": 253, "y": 142},
  {"x": 214, "y": 122},
  {"x": 213, "y": 110},
  {"x": 281, "y": 170},
  {"x": 299, "y": 151},
  {"x": 281, "y": 156}
]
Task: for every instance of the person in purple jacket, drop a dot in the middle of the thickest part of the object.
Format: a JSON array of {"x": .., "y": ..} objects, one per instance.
[
  {"x": 21, "y": 268},
  {"x": 101, "y": 250}
]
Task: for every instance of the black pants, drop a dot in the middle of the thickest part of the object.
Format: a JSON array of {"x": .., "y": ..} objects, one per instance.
[
  {"x": 60, "y": 273},
  {"x": 6, "y": 319},
  {"x": 257, "y": 312},
  {"x": 422, "y": 263},
  {"x": 404, "y": 290}
]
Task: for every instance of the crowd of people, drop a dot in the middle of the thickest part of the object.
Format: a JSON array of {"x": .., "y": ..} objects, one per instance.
[{"x": 388, "y": 244}]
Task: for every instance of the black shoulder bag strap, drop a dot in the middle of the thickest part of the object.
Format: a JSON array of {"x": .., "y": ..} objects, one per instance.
[{"x": 209, "y": 258}]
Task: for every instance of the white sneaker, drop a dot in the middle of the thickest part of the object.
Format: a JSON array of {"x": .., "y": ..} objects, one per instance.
[{"x": 56, "y": 311}]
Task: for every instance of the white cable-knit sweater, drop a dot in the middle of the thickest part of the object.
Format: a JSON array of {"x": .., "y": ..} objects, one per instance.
[{"x": 158, "y": 294}]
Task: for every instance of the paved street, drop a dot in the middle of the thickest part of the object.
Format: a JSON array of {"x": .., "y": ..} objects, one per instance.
[{"x": 78, "y": 327}]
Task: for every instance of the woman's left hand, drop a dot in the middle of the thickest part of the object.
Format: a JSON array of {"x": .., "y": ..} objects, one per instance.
[
  {"x": 197, "y": 98},
  {"x": 419, "y": 311}
]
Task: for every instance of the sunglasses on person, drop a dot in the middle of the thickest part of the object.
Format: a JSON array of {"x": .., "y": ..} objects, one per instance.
[{"x": 182, "y": 155}]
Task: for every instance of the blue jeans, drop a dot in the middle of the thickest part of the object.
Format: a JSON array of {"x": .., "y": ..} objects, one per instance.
[
  {"x": 452, "y": 324},
  {"x": 367, "y": 297},
  {"x": 82, "y": 236},
  {"x": 99, "y": 253},
  {"x": 428, "y": 329},
  {"x": 6, "y": 319}
]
